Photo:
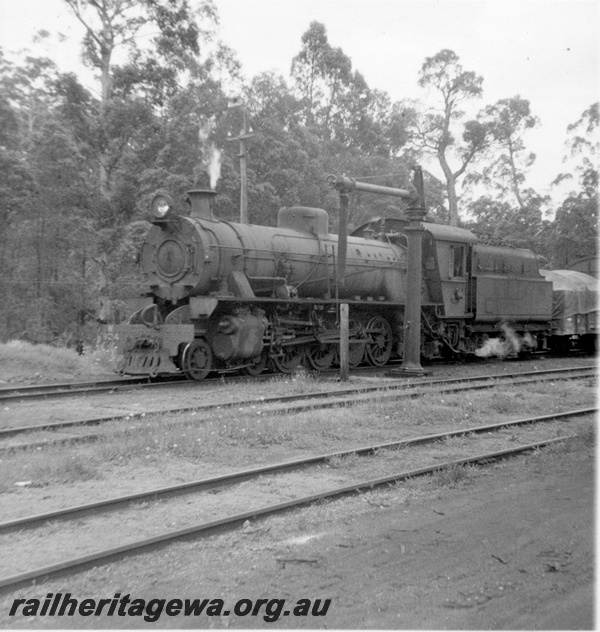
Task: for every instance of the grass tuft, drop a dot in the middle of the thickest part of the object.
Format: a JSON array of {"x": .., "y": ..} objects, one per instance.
[
  {"x": 45, "y": 468},
  {"x": 347, "y": 461},
  {"x": 503, "y": 403},
  {"x": 582, "y": 441},
  {"x": 454, "y": 475},
  {"x": 23, "y": 361}
]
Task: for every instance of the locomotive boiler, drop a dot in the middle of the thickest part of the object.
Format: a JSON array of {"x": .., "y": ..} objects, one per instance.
[
  {"x": 201, "y": 256},
  {"x": 225, "y": 296}
]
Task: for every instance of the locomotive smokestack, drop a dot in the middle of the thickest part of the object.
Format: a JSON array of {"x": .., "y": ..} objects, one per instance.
[{"x": 202, "y": 203}]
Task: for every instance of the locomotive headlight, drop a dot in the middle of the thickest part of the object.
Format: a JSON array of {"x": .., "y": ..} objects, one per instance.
[{"x": 161, "y": 205}]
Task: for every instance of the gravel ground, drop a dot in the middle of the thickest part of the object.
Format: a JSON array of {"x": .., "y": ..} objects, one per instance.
[{"x": 436, "y": 552}]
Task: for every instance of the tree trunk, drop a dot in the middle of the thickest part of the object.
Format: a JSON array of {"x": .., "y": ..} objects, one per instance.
[
  {"x": 452, "y": 202},
  {"x": 450, "y": 188},
  {"x": 106, "y": 85},
  {"x": 513, "y": 169}
]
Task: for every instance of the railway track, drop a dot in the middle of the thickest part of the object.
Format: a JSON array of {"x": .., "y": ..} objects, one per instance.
[
  {"x": 69, "y": 389},
  {"x": 203, "y": 529},
  {"x": 305, "y": 401}
]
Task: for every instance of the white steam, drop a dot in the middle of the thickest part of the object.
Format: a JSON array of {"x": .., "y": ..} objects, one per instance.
[
  {"x": 214, "y": 165},
  {"x": 211, "y": 156},
  {"x": 508, "y": 345}
]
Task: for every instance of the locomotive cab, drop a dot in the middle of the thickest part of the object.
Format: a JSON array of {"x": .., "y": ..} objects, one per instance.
[{"x": 447, "y": 264}]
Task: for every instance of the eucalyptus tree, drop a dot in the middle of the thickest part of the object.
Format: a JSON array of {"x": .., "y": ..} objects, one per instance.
[
  {"x": 112, "y": 26},
  {"x": 583, "y": 149},
  {"x": 509, "y": 212},
  {"x": 44, "y": 182},
  {"x": 508, "y": 159},
  {"x": 361, "y": 132},
  {"x": 434, "y": 129},
  {"x": 308, "y": 68},
  {"x": 16, "y": 186},
  {"x": 334, "y": 95},
  {"x": 574, "y": 231}
]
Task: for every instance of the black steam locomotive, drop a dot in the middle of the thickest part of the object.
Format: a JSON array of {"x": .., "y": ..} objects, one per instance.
[{"x": 226, "y": 296}]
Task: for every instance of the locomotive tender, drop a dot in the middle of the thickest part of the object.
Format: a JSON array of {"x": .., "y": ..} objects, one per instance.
[{"x": 226, "y": 296}]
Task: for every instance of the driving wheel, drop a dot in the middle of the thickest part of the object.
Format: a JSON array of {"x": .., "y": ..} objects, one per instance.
[
  {"x": 320, "y": 355},
  {"x": 290, "y": 359},
  {"x": 379, "y": 349},
  {"x": 357, "y": 346}
]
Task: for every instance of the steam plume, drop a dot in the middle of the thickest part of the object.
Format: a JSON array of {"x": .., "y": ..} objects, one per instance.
[
  {"x": 211, "y": 156},
  {"x": 214, "y": 165},
  {"x": 508, "y": 345}
]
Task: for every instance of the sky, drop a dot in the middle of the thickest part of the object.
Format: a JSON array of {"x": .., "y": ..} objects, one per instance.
[{"x": 546, "y": 51}]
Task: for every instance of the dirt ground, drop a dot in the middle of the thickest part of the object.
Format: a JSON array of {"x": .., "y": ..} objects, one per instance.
[
  {"x": 511, "y": 546},
  {"x": 513, "y": 549}
]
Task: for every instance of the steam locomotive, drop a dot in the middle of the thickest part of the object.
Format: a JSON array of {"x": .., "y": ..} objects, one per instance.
[{"x": 225, "y": 296}]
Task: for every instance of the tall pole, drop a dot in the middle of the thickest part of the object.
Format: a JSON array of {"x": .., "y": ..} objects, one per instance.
[
  {"x": 245, "y": 133},
  {"x": 243, "y": 177}
]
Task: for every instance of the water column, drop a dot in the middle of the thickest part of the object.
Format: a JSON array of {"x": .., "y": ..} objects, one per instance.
[{"x": 415, "y": 195}]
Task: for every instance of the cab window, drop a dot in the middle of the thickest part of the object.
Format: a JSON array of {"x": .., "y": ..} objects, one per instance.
[{"x": 457, "y": 261}]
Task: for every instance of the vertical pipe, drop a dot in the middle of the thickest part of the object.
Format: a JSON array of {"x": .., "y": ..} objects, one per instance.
[
  {"x": 412, "y": 313},
  {"x": 340, "y": 286},
  {"x": 411, "y": 362},
  {"x": 344, "y": 342},
  {"x": 342, "y": 243}
]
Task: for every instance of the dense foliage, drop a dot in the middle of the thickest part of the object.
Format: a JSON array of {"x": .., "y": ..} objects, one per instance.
[{"x": 77, "y": 168}]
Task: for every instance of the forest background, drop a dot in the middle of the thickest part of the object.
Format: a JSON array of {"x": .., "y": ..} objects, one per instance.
[{"x": 78, "y": 168}]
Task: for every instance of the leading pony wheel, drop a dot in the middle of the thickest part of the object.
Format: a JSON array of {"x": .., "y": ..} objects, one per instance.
[
  {"x": 258, "y": 366},
  {"x": 197, "y": 360}
]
